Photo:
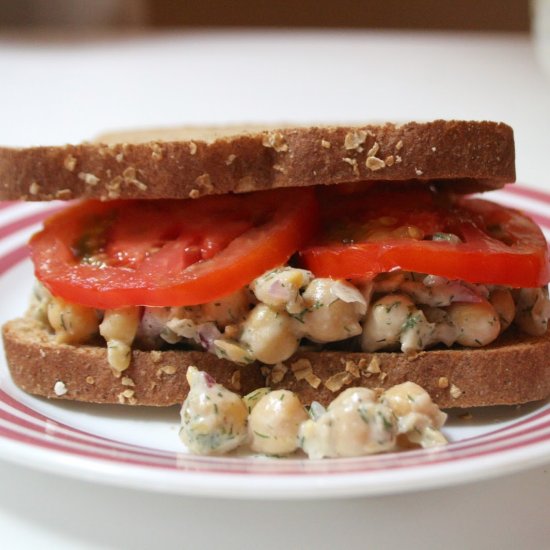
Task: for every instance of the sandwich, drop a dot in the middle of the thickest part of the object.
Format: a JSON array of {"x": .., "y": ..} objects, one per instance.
[{"x": 305, "y": 259}]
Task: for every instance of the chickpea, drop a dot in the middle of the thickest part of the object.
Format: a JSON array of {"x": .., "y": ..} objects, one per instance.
[
  {"x": 213, "y": 419},
  {"x": 119, "y": 328},
  {"x": 477, "y": 323},
  {"x": 275, "y": 421},
  {"x": 328, "y": 318},
  {"x": 501, "y": 299},
  {"x": 385, "y": 320},
  {"x": 39, "y": 302},
  {"x": 233, "y": 351},
  {"x": 417, "y": 333},
  {"x": 270, "y": 335},
  {"x": 532, "y": 311},
  {"x": 353, "y": 425},
  {"x": 388, "y": 282},
  {"x": 444, "y": 330},
  {"x": 418, "y": 417},
  {"x": 251, "y": 399},
  {"x": 407, "y": 398},
  {"x": 227, "y": 310},
  {"x": 280, "y": 288},
  {"x": 72, "y": 323},
  {"x": 353, "y": 395}
]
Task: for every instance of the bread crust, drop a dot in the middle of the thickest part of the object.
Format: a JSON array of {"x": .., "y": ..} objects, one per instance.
[
  {"x": 192, "y": 162},
  {"x": 513, "y": 370}
]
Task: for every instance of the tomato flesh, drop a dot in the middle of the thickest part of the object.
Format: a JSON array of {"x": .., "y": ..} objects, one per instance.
[
  {"x": 169, "y": 253},
  {"x": 358, "y": 239}
]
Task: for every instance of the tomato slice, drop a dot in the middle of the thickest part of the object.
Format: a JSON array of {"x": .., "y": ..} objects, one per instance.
[
  {"x": 169, "y": 253},
  {"x": 364, "y": 234}
]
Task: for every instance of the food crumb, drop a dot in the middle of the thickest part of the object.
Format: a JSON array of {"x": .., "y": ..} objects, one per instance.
[
  {"x": 276, "y": 141},
  {"x": 354, "y": 139},
  {"x": 337, "y": 381},
  {"x": 34, "y": 188},
  {"x": 443, "y": 382},
  {"x": 236, "y": 380},
  {"x": 374, "y": 163},
  {"x": 59, "y": 388},
  {"x": 69, "y": 163},
  {"x": 455, "y": 391},
  {"x": 352, "y": 163},
  {"x": 374, "y": 366},
  {"x": 127, "y": 395},
  {"x": 166, "y": 369},
  {"x": 127, "y": 381},
  {"x": 301, "y": 369},
  {"x": 88, "y": 179},
  {"x": 278, "y": 372}
]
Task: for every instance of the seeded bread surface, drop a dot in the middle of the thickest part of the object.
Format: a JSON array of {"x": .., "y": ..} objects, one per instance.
[
  {"x": 191, "y": 162},
  {"x": 514, "y": 370}
]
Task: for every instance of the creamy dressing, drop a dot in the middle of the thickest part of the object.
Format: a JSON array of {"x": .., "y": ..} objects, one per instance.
[{"x": 214, "y": 420}]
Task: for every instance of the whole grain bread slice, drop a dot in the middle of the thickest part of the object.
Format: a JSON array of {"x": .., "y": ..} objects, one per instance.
[
  {"x": 192, "y": 162},
  {"x": 514, "y": 370}
]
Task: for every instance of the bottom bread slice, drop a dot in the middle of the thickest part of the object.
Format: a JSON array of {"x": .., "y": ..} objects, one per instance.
[{"x": 515, "y": 369}]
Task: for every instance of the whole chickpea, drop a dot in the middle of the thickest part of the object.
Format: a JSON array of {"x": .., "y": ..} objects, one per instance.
[
  {"x": 270, "y": 335},
  {"x": 328, "y": 317},
  {"x": 503, "y": 302},
  {"x": 385, "y": 320},
  {"x": 477, "y": 323},
  {"x": 275, "y": 421},
  {"x": 72, "y": 323}
]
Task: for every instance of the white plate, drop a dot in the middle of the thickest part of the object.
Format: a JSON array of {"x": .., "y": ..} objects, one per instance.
[{"x": 140, "y": 448}]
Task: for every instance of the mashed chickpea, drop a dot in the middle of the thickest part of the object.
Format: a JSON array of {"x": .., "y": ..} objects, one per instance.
[{"x": 213, "y": 419}]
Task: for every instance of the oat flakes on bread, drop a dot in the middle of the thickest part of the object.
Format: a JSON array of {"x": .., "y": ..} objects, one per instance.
[
  {"x": 189, "y": 163},
  {"x": 193, "y": 161}
]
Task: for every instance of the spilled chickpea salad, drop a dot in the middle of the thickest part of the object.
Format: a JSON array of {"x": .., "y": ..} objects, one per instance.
[{"x": 358, "y": 422}]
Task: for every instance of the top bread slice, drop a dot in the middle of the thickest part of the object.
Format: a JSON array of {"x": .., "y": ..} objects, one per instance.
[{"x": 192, "y": 162}]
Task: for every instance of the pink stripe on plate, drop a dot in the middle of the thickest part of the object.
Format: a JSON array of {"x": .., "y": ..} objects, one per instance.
[
  {"x": 411, "y": 459},
  {"x": 26, "y": 221},
  {"x": 30, "y": 439},
  {"x": 528, "y": 192},
  {"x": 8, "y": 260},
  {"x": 61, "y": 434},
  {"x": 8, "y": 204}
]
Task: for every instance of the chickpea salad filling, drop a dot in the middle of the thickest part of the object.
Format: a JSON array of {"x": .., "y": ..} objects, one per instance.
[
  {"x": 287, "y": 309},
  {"x": 357, "y": 422}
]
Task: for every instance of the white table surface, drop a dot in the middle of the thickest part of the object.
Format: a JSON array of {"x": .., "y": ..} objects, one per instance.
[{"x": 56, "y": 89}]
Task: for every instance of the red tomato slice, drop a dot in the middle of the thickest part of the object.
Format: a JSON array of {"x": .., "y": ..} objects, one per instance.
[
  {"x": 170, "y": 253},
  {"x": 365, "y": 234}
]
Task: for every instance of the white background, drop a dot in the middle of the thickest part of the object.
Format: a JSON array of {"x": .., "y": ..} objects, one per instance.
[{"x": 57, "y": 89}]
